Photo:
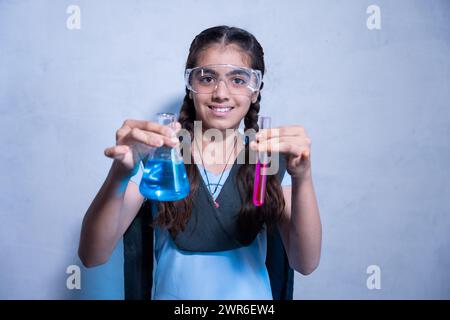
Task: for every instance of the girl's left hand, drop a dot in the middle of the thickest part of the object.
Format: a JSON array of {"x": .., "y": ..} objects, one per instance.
[{"x": 290, "y": 140}]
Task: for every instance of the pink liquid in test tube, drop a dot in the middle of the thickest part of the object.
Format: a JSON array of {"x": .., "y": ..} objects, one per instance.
[{"x": 259, "y": 186}]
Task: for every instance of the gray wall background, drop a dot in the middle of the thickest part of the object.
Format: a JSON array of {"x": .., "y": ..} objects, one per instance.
[{"x": 375, "y": 103}]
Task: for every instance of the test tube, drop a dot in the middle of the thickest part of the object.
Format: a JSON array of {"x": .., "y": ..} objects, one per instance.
[{"x": 259, "y": 185}]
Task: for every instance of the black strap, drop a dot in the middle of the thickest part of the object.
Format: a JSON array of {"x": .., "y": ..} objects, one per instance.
[{"x": 138, "y": 255}]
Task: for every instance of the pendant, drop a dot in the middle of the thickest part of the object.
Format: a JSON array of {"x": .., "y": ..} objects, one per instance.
[{"x": 216, "y": 204}]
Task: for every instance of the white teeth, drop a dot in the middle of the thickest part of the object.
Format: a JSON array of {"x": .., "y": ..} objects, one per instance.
[{"x": 221, "y": 109}]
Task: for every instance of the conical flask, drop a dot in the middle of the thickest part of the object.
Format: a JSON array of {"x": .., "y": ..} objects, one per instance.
[{"x": 164, "y": 177}]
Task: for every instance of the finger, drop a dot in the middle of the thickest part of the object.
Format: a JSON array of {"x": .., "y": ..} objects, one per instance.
[
  {"x": 149, "y": 138},
  {"x": 122, "y": 132},
  {"x": 281, "y": 147},
  {"x": 306, "y": 153},
  {"x": 294, "y": 140},
  {"x": 288, "y": 139},
  {"x": 280, "y": 131},
  {"x": 117, "y": 152},
  {"x": 177, "y": 127},
  {"x": 294, "y": 161},
  {"x": 149, "y": 126}
]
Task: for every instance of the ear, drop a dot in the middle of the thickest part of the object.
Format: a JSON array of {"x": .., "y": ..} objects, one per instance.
[
  {"x": 255, "y": 96},
  {"x": 190, "y": 95}
]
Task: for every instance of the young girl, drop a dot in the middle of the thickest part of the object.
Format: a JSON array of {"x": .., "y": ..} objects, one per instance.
[{"x": 212, "y": 244}]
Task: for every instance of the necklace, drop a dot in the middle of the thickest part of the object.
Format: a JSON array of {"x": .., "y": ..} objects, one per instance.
[{"x": 216, "y": 204}]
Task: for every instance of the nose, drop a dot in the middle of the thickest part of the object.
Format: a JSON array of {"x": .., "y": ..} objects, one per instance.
[{"x": 221, "y": 91}]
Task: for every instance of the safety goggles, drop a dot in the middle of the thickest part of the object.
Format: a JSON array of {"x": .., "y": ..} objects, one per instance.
[{"x": 238, "y": 80}]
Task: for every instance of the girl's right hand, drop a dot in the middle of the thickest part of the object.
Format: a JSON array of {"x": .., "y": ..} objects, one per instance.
[{"x": 136, "y": 138}]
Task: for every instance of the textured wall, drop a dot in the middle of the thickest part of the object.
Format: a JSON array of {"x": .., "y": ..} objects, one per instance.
[{"x": 375, "y": 103}]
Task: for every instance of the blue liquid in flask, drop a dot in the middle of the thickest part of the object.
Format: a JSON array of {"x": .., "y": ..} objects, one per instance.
[{"x": 164, "y": 180}]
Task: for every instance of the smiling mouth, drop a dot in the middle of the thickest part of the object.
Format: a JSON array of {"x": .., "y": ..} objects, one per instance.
[{"x": 221, "y": 109}]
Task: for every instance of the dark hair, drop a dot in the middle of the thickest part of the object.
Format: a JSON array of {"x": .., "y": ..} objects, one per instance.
[{"x": 251, "y": 219}]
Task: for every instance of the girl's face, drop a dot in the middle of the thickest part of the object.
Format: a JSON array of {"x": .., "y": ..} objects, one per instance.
[{"x": 221, "y": 97}]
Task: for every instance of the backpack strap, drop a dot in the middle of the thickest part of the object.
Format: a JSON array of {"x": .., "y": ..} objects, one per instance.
[{"x": 138, "y": 255}]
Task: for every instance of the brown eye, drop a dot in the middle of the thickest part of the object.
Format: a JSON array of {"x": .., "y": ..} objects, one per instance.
[
  {"x": 206, "y": 79},
  {"x": 239, "y": 81}
]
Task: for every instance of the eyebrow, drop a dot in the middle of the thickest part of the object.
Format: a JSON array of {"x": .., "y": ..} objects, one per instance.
[
  {"x": 232, "y": 72},
  {"x": 207, "y": 70},
  {"x": 239, "y": 72}
]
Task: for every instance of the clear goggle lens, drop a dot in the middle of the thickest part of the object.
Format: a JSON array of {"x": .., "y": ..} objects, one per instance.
[{"x": 238, "y": 80}]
